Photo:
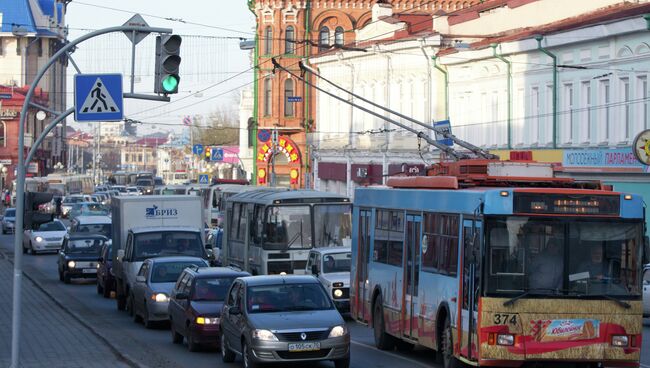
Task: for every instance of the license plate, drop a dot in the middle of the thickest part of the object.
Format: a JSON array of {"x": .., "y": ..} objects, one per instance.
[
  {"x": 89, "y": 270},
  {"x": 304, "y": 346}
]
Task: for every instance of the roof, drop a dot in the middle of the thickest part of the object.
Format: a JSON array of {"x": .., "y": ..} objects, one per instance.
[
  {"x": 156, "y": 229},
  {"x": 170, "y": 259},
  {"x": 278, "y": 279},
  {"x": 330, "y": 250},
  {"x": 86, "y": 220},
  {"x": 211, "y": 272},
  {"x": 270, "y": 195},
  {"x": 20, "y": 13}
]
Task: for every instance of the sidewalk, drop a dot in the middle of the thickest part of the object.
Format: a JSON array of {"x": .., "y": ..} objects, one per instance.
[{"x": 51, "y": 337}]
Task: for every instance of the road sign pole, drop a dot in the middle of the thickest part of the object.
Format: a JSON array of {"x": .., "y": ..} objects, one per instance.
[
  {"x": 20, "y": 181},
  {"x": 133, "y": 64}
]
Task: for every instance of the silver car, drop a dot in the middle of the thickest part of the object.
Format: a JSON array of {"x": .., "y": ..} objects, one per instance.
[
  {"x": 9, "y": 221},
  {"x": 149, "y": 299},
  {"x": 274, "y": 319}
]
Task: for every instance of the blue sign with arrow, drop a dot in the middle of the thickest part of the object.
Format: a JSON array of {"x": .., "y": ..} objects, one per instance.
[
  {"x": 98, "y": 97},
  {"x": 197, "y": 149},
  {"x": 443, "y": 126},
  {"x": 216, "y": 154}
]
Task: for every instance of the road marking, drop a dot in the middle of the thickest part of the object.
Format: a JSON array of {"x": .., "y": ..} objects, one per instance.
[{"x": 392, "y": 354}]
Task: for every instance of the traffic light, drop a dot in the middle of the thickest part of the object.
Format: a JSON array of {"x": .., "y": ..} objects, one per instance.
[
  {"x": 208, "y": 153},
  {"x": 32, "y": 217},
  {"x": 168, "y": 61}
]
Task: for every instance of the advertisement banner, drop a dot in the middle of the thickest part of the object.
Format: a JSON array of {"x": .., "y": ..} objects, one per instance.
[{"x": 618, "y": 159}]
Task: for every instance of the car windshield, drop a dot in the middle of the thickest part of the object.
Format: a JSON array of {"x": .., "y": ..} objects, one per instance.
[
  {"x": 213, "y": 289},
  {"x": 333, "y": 225},
  {"x": 158, "y": 181},
  {"x": 132, "y": 190},
  {"x": 169, "y": 271},
  {"x": 69, "y": 200},
  {"x": 337, "y": 262},
  {"x": 51, "y": 226},
  {"x": 10, "y": 213},
  {"x": 568, "y": 256},
  {"x": 85, "y": 246},
  {"x": 167, "y": 243},
  {"x": 287, "y": 298},
  {"x": 288, "y": 227},
  {"x": 101, "y": 229},
  {"x": 96, "y": 209},
  {"x": 144, "y": 183}
]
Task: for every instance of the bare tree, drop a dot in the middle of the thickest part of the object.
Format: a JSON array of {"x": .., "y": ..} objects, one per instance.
[{"x": 221, "y": 129}]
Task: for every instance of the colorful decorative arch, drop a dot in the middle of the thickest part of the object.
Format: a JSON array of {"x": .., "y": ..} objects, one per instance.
[{"x": 285, "y": 145}]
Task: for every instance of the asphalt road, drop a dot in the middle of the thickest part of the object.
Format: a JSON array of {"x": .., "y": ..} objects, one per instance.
[{"x": 153, "y": 347}]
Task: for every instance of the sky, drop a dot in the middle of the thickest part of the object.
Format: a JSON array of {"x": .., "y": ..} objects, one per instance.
[{"x": 213, "y": 68}]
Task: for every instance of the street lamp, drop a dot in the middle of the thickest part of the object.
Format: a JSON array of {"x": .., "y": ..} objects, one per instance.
[{"x": 59, "y": 166}]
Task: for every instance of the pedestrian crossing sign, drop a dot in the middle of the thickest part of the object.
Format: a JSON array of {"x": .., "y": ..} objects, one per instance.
[
  {"x": 98, "y": 97},
  {"x": 204, "y": 179}
]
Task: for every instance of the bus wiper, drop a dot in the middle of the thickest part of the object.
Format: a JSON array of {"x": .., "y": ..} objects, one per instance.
[
  {"x": 293, "y": 240},
  {"x": 512, "y": 301}
]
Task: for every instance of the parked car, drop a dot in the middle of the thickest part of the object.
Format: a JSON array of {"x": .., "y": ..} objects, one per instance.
[
  {"x": 282, "y": 319},
  {"x": 101, "y": 225},
  {"x": 9, "y": 221},
  {"x": 331, "y": 265},
  {"x": 47, "y": 238},
  {"x": 195, "y": 305},
  {"x": 79, "y": 255},
  {"x": 88, "y": 209},
  {"x": 646, "y": 291},
  {"x": 105, "y": 277},
  {"x": 149, "y": 297}
]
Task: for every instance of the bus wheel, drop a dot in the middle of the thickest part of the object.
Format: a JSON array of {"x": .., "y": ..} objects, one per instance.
[
  {"x": 448, "y": 359},
  {"x": 383, "y": 341}
]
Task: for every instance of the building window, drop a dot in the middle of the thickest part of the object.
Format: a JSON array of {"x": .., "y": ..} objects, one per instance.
[
  {"x": 40, "y": 47},
  {"x": 338, "y": 36},
  {"x": 567, "y": 127},
  {"x": 3, "y": 134},
  {"x": 268, "y": 41},
  {"x": 585, "y": 113},
  {"x": 626, "y": 108},
  {"x": 251, "y": 131},
  {"x": 642, "y": 86},
  {"x": 324, "y": 39},
  {"x": 604, "y": 109},
  {"x": 289, "y": 41},
  {"x": 2, "y": 46},
  {"x": 534, "y": 115},
  {"x": 288, "y": 92},
  {"x": 18, "y": 49},
  {"x": 268, "y": 110}
]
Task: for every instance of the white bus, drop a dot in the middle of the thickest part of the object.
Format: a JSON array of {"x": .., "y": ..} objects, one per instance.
[{"x": 214, "y": 200}]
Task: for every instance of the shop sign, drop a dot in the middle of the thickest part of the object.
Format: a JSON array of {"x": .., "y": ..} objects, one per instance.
[
  {"x": 614, "y": 158},
  {"x": 8, "y": 114}
]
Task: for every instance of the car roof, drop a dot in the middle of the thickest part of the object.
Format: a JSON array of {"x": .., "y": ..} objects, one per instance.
[
  {"x": 173, "y": 259},
  {"x": 155, "y": 229},
  {"x": 212, "y": 272},
  {"x": 330, "y": 250},
  {"x": 279, "y": 279},
  {"x": 94, "y": 219}
]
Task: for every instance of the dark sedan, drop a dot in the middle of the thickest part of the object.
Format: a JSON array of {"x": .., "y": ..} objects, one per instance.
[
  {"x": 196, "y": 302},
  {"x": 105, "y": 277},
  {"x": 78, "y": 256}
]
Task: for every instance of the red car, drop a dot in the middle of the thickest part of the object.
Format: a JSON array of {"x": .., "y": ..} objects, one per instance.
[{"x": 195, "y": 305}]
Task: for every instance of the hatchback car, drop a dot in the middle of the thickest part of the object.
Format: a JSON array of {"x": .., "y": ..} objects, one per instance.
[
  {"x": 274, "y": 319},
  {"x": 646, "y": 291},
  {"x": 154, "y": 283},
  {"x": 105, "y": 277},
  {"x": 78, "y": 256},
  {"x": 101, "y": 225},
  {"x": 195, "y": 305},
  {"x": 47, "y": 238},
  {"x": 9, "y": 221}
]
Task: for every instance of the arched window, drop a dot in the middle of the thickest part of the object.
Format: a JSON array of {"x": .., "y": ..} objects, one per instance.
[
  {"x": 289, "y": 38},
  {"x": 288, "y": 92},
  {"x": 338, "y": 36},
  {"x": 324, "y": 39},
  {"x": 268, "y": 91},
  {"x": 268, "y": 41},
  {"x": 3, "y": 135}
]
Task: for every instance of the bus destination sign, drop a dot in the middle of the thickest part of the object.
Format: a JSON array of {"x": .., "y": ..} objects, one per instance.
[{"x": 565, "y": 204}]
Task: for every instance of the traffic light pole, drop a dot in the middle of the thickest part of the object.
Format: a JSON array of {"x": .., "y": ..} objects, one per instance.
[{"x": 20, "y": 178}]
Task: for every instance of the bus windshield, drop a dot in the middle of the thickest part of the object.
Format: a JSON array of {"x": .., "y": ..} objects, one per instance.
[
  {"x": 573, "y": 256},
  {"x": 333, "y": 225},
  {"x": 288, "y": 227}
]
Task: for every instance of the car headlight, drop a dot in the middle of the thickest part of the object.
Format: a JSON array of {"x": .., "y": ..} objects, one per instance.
[
  {"x": 160, "y": 297},
  {"x": 338, "y": 293},
  {"x": 264, "y": 335},
  {"x": 72, "y": 264},
  {"x": 620, "y": 340},
  {"x": 338, "y": 331},
  {"x": 207, "y": 320},
  {"x": 38, "y": 239}
]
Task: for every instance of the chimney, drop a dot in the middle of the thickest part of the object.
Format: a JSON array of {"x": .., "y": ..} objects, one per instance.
[{"x": 381, "y": 10}]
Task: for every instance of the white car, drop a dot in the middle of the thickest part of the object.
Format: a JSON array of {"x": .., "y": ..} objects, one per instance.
[
  {"x": 101, "y": 225},
  {"x": 47, "y": 238},
  {"x": 331, "y": 265},
  {"x": 646, "y": 291}
]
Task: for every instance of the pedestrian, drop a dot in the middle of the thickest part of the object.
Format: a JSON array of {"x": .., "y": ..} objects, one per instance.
[
  {"x": 7, "y": 199},
  {"x": 58, "y": 201}
]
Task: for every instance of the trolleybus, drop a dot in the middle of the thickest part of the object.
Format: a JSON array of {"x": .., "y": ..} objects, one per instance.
[
  {"x": 494, "y": 266},
  {"x": 270, "y": 231}
]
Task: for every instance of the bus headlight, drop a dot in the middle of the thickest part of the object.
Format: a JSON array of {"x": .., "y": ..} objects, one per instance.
[
  {"x": 338, "y": 331},
  {"x": 506, "y": 340},
  {"x": 620, "y": 340},
  {"x": 338, "y": 293}
]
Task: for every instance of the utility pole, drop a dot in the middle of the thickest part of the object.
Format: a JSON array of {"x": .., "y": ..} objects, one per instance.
[{"x": 274, "y": 139}]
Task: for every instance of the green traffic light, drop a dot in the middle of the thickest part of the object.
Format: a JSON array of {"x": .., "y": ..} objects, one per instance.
[{"x": 170, "y": 83}]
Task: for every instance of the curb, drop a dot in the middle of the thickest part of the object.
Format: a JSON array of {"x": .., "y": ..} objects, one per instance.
[{"x": 125, "y": 358}]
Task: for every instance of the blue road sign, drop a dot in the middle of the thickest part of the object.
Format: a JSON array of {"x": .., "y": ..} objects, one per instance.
[
  {"x": 204, "y": 179},
  {"x": 98, "y": 97},
  {"x": 443, "y": 126},
  {"x": 264, "y": 135},
  {"x": 197, "y": 149},
  {"x": 294, "y": 98},
  {"x": 216, "y": 154}
]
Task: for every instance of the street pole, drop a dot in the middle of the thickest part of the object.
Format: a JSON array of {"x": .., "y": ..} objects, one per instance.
[{"x": 20, "y": 179}]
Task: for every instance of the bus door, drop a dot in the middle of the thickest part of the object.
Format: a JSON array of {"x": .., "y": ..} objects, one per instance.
[
  {"x": 411, "y": 268},
  {"x": 471, "y": 273},
  {"x": 362, "y": 301}
]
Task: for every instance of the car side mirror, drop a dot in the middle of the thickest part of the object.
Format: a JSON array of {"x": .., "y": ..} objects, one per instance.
[
  {"x": 314, "y": 269},
  {"x": 182, "y": 296},
  {"x": 140, "y": 278},
  {"x": 235, "y": 311},
  {"x": 120, "y": 254}
]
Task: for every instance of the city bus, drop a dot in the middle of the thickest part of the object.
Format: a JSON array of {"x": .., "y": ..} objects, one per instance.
[
  {"x": 175, "y": 177},
  {"x": 500, "y": 270},
  {"x": 214, "y": 200},
  {"x": 271, "y": 230}
]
